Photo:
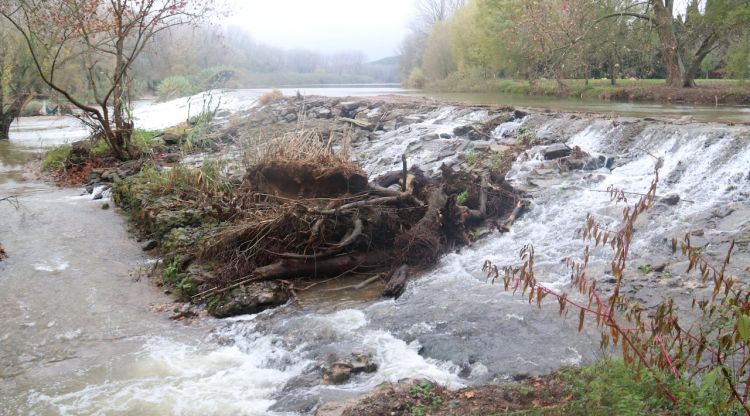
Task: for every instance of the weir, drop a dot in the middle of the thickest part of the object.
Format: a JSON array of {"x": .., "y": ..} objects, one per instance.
[{"x": 80, "y": 334}]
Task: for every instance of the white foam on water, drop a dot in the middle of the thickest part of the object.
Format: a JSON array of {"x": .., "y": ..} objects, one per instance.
[
  {"x": 508, "y": 128},
  {"x": 173, "y": 378},
  {"x": 51, "y": 265}
]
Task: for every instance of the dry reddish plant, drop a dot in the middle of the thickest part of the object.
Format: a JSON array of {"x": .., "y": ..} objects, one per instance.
[{"x": 713, "y": 350}]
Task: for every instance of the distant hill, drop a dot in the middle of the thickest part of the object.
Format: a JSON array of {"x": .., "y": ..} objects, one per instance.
[
  {"x": 384, "y": 70},
  {"x": 391, "y": 60}
]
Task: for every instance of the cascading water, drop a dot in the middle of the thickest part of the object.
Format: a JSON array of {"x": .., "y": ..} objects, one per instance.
[{"x": 451, "y": 325}]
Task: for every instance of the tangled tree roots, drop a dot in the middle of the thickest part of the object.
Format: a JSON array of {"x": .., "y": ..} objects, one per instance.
[{"x": 302, "y": 220}]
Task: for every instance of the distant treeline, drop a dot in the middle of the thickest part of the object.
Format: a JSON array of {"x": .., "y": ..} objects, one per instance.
[
  {"x": 229, "y": 57},
  {"x": 185, "y": 60},
  {"x": 562, "y": 39}
]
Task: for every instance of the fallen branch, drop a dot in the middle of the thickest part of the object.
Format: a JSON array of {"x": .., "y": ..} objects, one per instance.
[
  {"x": 520, "y": 206},
  {"x": 396, "y": 283},
  {"x": 358, "y": 286},
  {"x": 352, "y": 237}
]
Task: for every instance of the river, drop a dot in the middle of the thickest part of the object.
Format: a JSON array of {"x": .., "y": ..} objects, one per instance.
[{"x": 81, "y": 333}]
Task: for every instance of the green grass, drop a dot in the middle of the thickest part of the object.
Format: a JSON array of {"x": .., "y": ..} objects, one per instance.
[
  {"x": 143, "y": 140},
  {"x": 56, "y": 157},
  {"x": 609, "y": 387},
  {"x": 574, "y": 88}
]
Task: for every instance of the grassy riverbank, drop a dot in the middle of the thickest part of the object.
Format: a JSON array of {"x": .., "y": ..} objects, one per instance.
[
  {"x": 725, "y": 92},
  {"x": 605, "y": 388}
]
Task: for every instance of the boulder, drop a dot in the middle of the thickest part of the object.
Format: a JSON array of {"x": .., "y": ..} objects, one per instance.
[
  {"x": 462, "y": 130},
  {"x": 671, "y": 199},
  {"x": 475, "y": 135},
  {"x": 556, "y": 151},
  {"x": 350, "y": 105},
  {"x": 323, "y": 113},
  {"x": 341, "y": 371},
  {"x": 173, "y": 136},
  {"x": 362, "y": 363},
  {"x": 250, "y": 299},
  {"x": 338, "y": 373}
]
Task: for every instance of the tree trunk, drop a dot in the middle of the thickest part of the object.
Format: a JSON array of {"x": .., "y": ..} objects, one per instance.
[
  {"x": 123, "y": 129},
  {"x": 11, "y": 113},
  {"x": 669, "y": 50},
  {"x": 688, "y": 80},
  {"x": 5, "y": 122}
]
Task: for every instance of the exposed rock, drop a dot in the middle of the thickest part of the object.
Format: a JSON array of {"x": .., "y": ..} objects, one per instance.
[
  {"x": 362, "y": 363},
  {"x": 341, "y": 371},
  {"x": 338, "y": 373},
  {"x": 150, "y": 245},
  {"x": 323, "y": 113},
  {"x": 350, "y": 105},
  {"x": 475, "y": 135},
  {"x": 183, "y": 312},
  {"x": 173, "y": 136},
  {"x": 462, "y": 130},
  {"x": 556, "y": 151},
  {"x": 671, "y": 199},
  {"x": 168, "y": 219},
  {"x": 250, "y": 299}
]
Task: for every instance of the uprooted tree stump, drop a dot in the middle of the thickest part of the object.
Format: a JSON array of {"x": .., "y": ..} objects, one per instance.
[{"x": 308, "y": 220}]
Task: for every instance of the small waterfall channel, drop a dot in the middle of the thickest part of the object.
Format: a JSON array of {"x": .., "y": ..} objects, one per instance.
[{"x": 79, "y": 333}]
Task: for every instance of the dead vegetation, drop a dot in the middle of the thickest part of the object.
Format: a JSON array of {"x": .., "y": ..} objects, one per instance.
[
  {"x": 304, "y": 210},
  {"x": 309, "y": 211}
]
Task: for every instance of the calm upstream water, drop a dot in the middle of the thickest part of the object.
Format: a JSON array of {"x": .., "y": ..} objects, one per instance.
[{"x": 80, "y": 332}]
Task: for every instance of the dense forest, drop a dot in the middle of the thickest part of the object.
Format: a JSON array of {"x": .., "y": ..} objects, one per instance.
[{"x": 453, "y": 41}]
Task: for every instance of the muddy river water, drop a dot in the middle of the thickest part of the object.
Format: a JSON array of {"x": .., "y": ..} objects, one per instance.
[{"x": 80, "y": 331}]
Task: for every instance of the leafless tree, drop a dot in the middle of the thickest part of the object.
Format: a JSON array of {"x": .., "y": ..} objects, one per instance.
[{"x": 107, "y": 36}]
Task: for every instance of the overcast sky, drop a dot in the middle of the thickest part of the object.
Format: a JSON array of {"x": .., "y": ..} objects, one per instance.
[{"x": 375, "y": 27}]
